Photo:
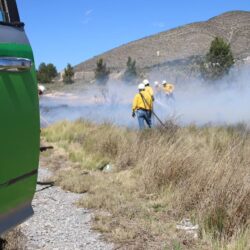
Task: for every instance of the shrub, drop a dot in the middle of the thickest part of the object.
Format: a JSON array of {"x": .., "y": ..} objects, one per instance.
[
  {"x": 46, "y": 73},
  {"x": 218, "y": 60},
  {"x": 130, "y": 73},
  {"x": 68, "y": 74},
  {"x": 101, "y": 72}
]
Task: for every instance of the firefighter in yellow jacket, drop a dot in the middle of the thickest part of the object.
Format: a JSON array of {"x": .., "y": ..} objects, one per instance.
[
  {"x": 168, "y": 89},
  {"x": 148, "y": 88},
  {"x": 142, "y": 107}
]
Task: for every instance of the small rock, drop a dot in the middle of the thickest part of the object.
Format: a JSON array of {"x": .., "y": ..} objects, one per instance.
[
  {"x": 107, "y": 169},
  {"x": 187, "y": 226}
]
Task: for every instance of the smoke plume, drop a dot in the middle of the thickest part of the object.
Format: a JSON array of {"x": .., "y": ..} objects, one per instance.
[{"x": 195, "y": 102}]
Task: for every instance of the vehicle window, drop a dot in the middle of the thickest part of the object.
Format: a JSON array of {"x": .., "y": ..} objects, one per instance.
[
  {"x": 9, "y": 12},
  {"x": 2, "y": 13},
  {"x": 1, "y": 16}
]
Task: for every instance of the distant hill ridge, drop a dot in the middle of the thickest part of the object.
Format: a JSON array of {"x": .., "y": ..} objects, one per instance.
[{"x": 180, "y": 44}]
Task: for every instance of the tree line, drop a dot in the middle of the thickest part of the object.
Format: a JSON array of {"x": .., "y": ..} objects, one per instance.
[
  {"x": 102, "y": 72},
  {"x": 46, "y": 73},
  {"x": 214, "y": 66}
]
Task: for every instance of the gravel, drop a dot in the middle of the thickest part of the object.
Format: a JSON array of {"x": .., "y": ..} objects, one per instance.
[{"x": 58, "y": 223}]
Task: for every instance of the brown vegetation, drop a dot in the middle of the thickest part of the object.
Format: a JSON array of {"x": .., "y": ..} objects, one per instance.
[
  {"x": 13, "y": 240},
  {"x": 159, "y": 177}
]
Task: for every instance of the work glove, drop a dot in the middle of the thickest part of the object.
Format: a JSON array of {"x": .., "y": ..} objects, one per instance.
[{"x": 133, "y": 114}]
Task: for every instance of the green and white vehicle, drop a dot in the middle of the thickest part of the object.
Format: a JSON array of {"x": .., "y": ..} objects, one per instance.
[{"x": 19, "y": 120}]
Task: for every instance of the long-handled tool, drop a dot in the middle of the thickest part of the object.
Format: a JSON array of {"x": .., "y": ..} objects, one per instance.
[{"x": 156, "y": 116}]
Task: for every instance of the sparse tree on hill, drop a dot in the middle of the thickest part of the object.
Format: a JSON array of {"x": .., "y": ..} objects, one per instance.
[
  {"x": 68, "y": 74},
  {"x": 46, "y": 73},
  {"x": 130, "y": 73},
  {"x": 101, "y": 72},
  {"x": 218, "y": 60}
]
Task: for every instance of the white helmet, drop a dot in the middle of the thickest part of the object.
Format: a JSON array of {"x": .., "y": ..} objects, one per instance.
[
  {"x": 145, "y": 81},
  {"x": 41, "y": 88},
  {"x": 141, "y": 86},
  {"x": 156, "y": 83},
  {"x": 164, "y": 82}
]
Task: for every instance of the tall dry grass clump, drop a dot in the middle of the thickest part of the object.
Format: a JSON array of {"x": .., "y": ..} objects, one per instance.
[
  {"x": 208, "y": 172},
  {"x": 13, "y": 240},
  {"x": 200, "y": 173}
]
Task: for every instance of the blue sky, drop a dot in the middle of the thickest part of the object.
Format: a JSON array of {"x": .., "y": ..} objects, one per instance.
[{"x": 64, "y": 31}]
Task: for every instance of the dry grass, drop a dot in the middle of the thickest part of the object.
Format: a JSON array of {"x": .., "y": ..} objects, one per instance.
[
  {"x": 13, "y": 240},
  {"x": 158, "y": 178}
]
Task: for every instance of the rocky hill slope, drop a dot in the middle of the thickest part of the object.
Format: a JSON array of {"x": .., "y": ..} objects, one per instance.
[{"x": 181, "y": 45}]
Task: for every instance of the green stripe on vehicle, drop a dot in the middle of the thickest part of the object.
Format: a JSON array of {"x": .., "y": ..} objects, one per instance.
[{"x": 19, "y": 129}]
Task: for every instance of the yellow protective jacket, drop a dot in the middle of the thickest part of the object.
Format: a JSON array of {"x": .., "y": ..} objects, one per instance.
[
  {"x": 138, "y": 102},
  {"x": 149, "y": 90},
  {"x": 169, "y": 88}
]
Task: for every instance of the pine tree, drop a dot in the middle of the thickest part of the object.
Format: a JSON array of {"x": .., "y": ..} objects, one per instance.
[
  {"x": 101, "y": 72},
  {"x": 130, "y": 73},
  {"x": 52, "y": 71},
  {"x": 218, "y": 60},
  {"x": 68, "y": 74}
]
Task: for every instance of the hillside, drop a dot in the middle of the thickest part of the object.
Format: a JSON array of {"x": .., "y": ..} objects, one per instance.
[{"x": 180, "y": 45}]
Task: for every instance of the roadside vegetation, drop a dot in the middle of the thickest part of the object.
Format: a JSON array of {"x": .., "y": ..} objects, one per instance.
[
  {"x": 13, "y": 240},
  {"x": 155, "y": 179}
]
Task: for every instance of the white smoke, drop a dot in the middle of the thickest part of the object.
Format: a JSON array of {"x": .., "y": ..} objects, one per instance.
[
  {"x": 111, "y": 103},
  {"x": 224, "y": 102}
]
